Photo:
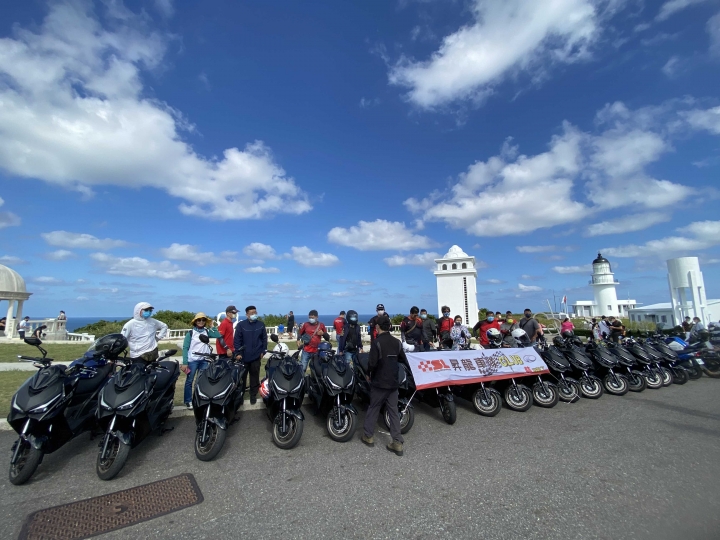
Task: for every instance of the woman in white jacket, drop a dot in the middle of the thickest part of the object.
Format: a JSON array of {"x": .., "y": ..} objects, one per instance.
[{"x": 143, "y": 332}]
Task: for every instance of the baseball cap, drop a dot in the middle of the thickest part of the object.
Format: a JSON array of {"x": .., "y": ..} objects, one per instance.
[
  {"x": 231, "y": 309},
  {"x": 379, "y": 307}
]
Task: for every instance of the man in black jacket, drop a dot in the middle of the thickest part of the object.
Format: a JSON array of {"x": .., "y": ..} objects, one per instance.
[{"x": 385, "y": 353}]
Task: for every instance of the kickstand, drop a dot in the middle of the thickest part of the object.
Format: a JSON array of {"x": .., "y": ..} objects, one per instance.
[{"x": 164, "y": 430}]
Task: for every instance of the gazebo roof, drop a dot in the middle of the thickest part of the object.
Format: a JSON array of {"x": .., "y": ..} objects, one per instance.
[{"x": 10, "y": 281}]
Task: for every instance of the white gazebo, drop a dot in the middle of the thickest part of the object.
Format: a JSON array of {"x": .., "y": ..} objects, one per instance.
[{"x": 12, "y": 289}]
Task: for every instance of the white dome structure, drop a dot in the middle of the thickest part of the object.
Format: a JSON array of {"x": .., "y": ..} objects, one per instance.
[
  {"x": 12, "y": 289},
  {"x": 455, "y": 252}
]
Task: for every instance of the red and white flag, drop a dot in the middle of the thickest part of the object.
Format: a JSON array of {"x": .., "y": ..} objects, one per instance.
[{"x": 564, "y": 300}]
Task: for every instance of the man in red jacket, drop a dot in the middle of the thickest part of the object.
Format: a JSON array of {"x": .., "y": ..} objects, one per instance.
[
  {"x": 444, "y": 325},
  {"x": 483, "y": 326},
  {"x": 226, "y": 330},
  {"x": 339, "y": 324}
]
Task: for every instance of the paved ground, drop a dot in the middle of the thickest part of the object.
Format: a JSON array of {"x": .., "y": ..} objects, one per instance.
[{"x": 640, "y": 466}]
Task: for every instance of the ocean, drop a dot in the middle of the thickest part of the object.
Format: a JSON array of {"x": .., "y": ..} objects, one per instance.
[{"x": 73, "y": 323}]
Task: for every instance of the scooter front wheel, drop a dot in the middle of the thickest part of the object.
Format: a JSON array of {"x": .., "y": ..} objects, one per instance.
[
  {"x": 214, "y": 440},
  {"x": 449, "y": 411},
  {"x": 117, "y": 454},
  {"x": 617, "y": 385},
  {"x": 667, "y": 376},
  {"x": 591, "y": 387},
  {"x": 27, "y": 462},
  {"x": 407, "y": 418},
  {"x": 519, "y": 401},
  {"x": 488, "y": 404},
  {"x": 653, "y": 378},
  {"x": 545, "y": 395},
  {"x": 290, "y": 436},
  {"x": 680, "y": 376},
  {"x": 570, "y": 390},
  {"x": 636, "y": 381},
  {"x": 344, "y": 430}
]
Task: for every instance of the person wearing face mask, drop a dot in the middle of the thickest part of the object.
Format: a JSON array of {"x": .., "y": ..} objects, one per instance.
[
  {"x": 201, "y": 325},
  {"x": 429, "y": 329},
  {"x": 311, "y": 333},
  {"x": 252, "y": 335},
  {"x": 372, "y": 323},
  {"x": 530, "y": 325},
  {"x": 445, "y": 324},
  {"x": 506, "y": 328},
  {"x": 143, "y": 332},
  {"x": 481, "y": 328},
  {"x": 351, "y": 338},
  {"x": 411, "y": 329},
  {"x": 459, "y": 334},
  {"x": 227, "y": 332}
]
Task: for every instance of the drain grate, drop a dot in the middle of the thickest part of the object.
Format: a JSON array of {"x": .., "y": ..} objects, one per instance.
[{"x": 106, "y": 513}]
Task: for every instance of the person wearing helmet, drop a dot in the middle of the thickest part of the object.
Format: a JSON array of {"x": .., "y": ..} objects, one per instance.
[
  {"x": 351, "y": 338},
  {"x": 201, "y": 325},
  {"x": 495, "y": 338},
  {"x": 309, "y": 336},
  {"x": 143, "y": 333},
  {"x": 372, "y": 323},
  {"x": 459, "y": 334}
]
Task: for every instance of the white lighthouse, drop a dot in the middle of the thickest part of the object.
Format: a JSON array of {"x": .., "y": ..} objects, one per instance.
[
  {"x": 604, "y": 283},
  {"x": 456, "y": 285}
]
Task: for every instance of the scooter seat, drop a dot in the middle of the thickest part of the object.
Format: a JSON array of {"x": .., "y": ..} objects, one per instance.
[
  {"x": 363, "y": 360},
  {"x": 165, "y": 376},
  {"x": 87, "y": 386}
]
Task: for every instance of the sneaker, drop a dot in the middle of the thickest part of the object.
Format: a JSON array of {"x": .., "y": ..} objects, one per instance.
[
  {"x": 188, "y": 406},
  {"x": 370, "y": 441},
  {"x": 396, "y": 447},
  {"x": 253, "y": 400}
]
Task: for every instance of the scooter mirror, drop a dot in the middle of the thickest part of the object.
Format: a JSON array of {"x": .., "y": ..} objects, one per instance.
[{"x": 204, "y": 338}]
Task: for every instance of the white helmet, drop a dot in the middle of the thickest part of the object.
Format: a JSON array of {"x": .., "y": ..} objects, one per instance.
[
  {"x": 521, "y": 337},
  {"x": 494, "y": 336}
]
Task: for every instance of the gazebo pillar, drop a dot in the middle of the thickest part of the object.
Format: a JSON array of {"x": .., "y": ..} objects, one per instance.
[
  {"x": 18, "y": 314},
  {"x": 9, "y": 322}
]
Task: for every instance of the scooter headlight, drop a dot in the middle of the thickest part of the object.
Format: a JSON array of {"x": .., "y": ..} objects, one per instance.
[
  {"x": 200, "y": 392},
  {"x": 15, "y": 405},
  {"x": 279, "y": 390},
  {"x": 103, "y": 403},
  {"x": 45, "y": 406},
  {"x": 332, "y": 384},
  {"x": 224, "y": 392},
  {"x": 130, "y": 404}
]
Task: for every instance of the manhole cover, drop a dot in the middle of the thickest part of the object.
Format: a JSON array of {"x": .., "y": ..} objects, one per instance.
[{"x": 106, "y": 513}]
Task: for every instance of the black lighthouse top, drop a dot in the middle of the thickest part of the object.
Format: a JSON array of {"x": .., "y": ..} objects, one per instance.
[{"x": 600, "y": 259}]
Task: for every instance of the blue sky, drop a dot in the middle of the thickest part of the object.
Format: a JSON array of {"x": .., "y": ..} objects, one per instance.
[{"x": 321, "y": 154}]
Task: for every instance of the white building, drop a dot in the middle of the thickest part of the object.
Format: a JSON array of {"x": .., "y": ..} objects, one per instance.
[
  {"x": 456, "y": 285},
  {"x": 664, "y": 313},
  {"x": 12, "y": 289},
  {"x": 687, "y": 289},
  {"x": 606, "y": 302}
]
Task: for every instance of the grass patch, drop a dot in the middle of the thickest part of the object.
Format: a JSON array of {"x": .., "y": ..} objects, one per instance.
[
  {"x": 60, "y": 352},
  {"x": 10, "y": 381}
]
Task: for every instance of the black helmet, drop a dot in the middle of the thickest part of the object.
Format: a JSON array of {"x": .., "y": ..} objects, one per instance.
[
  {"x": 351, "y": 313},
  {"x": 110, "y": 346},
  {"x": 567, "y": 334},
  {"x": 558, "y": 341},
  {"x": 704, "y": 335}
]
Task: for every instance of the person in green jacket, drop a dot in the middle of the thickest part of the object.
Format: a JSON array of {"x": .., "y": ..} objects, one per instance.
[{"x": 201, "y": 325}]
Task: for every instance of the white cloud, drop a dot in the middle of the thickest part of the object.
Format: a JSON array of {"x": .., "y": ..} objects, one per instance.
[
  {"x": 139, "y": 267},
  {"x": 189, "y": 253},
  {"x": 671, "y": 7},
  {"x": 671, "y": 66},
  {"x": 341, "y": 294},
  {"x": 60, "y": 255},
  {"x": 262, "y": 270},
  {"x": 260, "y": 251},
  {"x": 583, "y": 269},
  {"x": 703, "y": 119},
  {"x": 536, "y": 249},
  {"x": 698, "y": 235},
  {"x": 367, "y": 103},
  {"x": 74, "y": 113},
  {"x": 630, "y": 223},
  {"x": 419, "y": 259},
  {"x": 11, "y": 259},
  {"x": 307, "y": 257},
  {"x": 8, "y": 219},
  {"x": 494, "y": 281},
  {"x": 713, "y": 30},
  {"x": 529, "y": 288},
  {"x": 379, "y": 235},
  {"x": 47, "y": 280},
  {"x": 580, "y": 174},
  {"x": 80, "y": 240},
  {"x": 504, "y": 39},
  {"x": 82, "y": 298},
  {"x": 165, "y": 7}
]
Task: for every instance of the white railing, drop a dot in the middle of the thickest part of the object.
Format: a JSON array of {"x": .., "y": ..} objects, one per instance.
[
  {"x": 71, "y": 336},
  {"x": 174, "y": 335}
]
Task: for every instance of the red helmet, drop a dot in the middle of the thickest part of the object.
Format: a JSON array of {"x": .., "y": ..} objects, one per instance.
[{"x": 264, "y": 388}]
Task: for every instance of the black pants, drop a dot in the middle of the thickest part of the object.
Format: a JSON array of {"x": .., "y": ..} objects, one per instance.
[
  {"x": 378, "y": 398},
  {"x": 253, "y": 368}
]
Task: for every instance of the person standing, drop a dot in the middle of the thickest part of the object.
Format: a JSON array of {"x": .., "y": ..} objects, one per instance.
[
  {"x": 697, "y": 327},
  {"x": 310, "y": 334},
  {"x": 338, "y": 324},
  {"x": 372, "y": 323},
  {"x": 604, "y": 327},
  {"x": 567, "y": 325},
  {"x": 226, "y": 330},
  {"x": 201, "y": 325},
  {"x": 290, "y": 323},
  {"x": 481, "y": 328},
  {"x": 23, "y": 327},
  {"x": 351, "y": 338},
  {"x": 429, "y": 329},
  {"x": 530, "y": 325},
  {"x": 143, "y": 333},
  {"x": 459, "y": 334},
  {"x": 383, "y": 378},
  {"x": 62, "y": 316},
  {"x": 445, "y": 324},
  {"x": 250, "y": 345},
  {"x": 411, "y": 328}
]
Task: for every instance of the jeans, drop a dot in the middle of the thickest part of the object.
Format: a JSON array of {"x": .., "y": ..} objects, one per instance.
[
  {"x": 194, "y": 367},
  {"x": 350, "y": 358},
  {"x": 305, "y": 360}
]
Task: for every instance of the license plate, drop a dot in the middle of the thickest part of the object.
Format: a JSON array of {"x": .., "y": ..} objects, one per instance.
[{"x": 699, "y": 361}]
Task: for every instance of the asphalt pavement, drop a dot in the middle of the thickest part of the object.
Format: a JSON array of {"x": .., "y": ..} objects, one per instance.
[{"x": 639, "y": 466}]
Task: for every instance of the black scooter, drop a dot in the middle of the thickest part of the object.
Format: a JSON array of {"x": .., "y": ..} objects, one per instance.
[
  {"x": 590, "y": 385},
  {"x": 283, "y": 391},
  {"x": 405, "y": 407},
  {"x": 136, "y": 401},
  {"x": 605, "y": 365},
  {"x": 217, "y": 397},
  {"x": 653, "y": 377},
  {"x": 52, "y": 407},
  {"x": 636, "y": 380},
  {"x": 331, "y": 386},
  {"x": 558, "y": 365},
  {"x": 668, "y": 359}
]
